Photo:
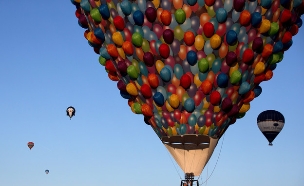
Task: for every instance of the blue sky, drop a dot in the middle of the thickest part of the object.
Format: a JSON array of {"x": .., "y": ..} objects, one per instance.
[{"x": 47, "y": 65}]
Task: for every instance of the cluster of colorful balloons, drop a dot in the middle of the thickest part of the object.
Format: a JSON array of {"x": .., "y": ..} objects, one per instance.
[{"x": 190, "y": 66}]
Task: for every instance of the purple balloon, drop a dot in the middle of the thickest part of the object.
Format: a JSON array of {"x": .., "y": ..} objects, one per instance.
[{"x": 192, "y": 90}]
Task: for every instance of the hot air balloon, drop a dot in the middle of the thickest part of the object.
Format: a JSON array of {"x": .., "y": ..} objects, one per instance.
[
  {"x": 190, "y": 67},
  {"x": 70, "y": 111},
  {"x": 30, "y": 145},
  {"x": 47, "y": 171},
  {"x": 270, "y": 122}
]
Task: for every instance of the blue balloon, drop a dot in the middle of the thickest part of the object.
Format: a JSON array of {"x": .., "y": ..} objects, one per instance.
[
  {"x": 138, "y": 18},
  {"x": 183, "y": 129},
  {"x": 266, "y": 3},
  {"x": 189, "y": 105},
  {"x": 159, "y": 99},
  {"x": 221, "y": 15},
  {"x": 231, "y": 37},
  {"x": 201, "y": 121},
  {"x": 126, "y": 7},
  {"x": 273, "y": 66},
  {"x": 191, "y": 2},
  {"x": 104, "y": 53},
  {"x": 202, "y": 76},
  {"x": 163, "y": 91},
  {"x": 256, "y": 19},
  {"x": 192, "y": 120},
  {"x": 278, "y": 47},
  {"x": 257, "y": 91},
  {"x": 287, "y": 45},
  {"x": 99, "y": 34},
  {"x": 222, "y": 80},
  {"x": 178, "y": 71},
  {"x": 244, "y": 88},
  {"x": 165, "y": 74},
  {"x": 192, "y": 57},
  {"x": 125, "y": 95},
  {"x": 85, "y": 5},
  {"x": 143, "y": 69},
  {"x": 216, "y": 65},
  {"x": 164, "y": 123},
  {"x": 104, "y": 11}
]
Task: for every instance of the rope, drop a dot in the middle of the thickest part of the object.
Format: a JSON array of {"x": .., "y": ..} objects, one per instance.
[
  {"x": 173, "y": 164},
  {"x": 215, "y": 163}
]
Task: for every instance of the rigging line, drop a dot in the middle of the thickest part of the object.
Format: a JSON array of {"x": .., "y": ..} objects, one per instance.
[
  {"x": 173, "y": 164},
  {"x": 215, "y": 163}
]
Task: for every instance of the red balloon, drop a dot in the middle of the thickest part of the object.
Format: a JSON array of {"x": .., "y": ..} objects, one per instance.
[
  {"x": 146, "y": 91},
  {"x": 185, "y": 81},
  {"x": 248, "y": 56},
  {"x": 215, "y": 98},
  {"x": 119, "y": 23},
  {"x": 171, "y": 88},
  {"x": 164, "y": 50},
  {"x": 208, "y": 29}
]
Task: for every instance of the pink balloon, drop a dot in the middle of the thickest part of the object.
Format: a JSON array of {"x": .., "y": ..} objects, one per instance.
[
  {"x": 170, "y": 61},
  {"x": 158, "y": 30},
  {"x": 201, "y": 54}
]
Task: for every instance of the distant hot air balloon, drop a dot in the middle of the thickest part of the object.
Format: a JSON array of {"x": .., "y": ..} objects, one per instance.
[
  {"x": 47, "y": 171},
  {"x": 270, "y": 122},
  {"x": 190, "y": 67},
  {"x": 70, "y": 111},
  {"x": 30, "y": 145}
]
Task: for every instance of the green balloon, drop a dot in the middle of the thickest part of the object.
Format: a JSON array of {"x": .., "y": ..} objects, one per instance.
[
  {"x": 137, "y": 39},
  {"x": 137, "y": 108},
  {"x": 95, "y": 14},
  {"x": 240, "y": 115},
  {"x": 102, "y": 60},
  {"x": 185, "y": 97},
  {"x": 145, "y": 46},
  {"x": 235, "y": 77},
  {"x": 232, "y": 48},
  {"x": 210, "y": 58},
  {"x": 274, "y": 28},
  {"x": 169, "y": 131},
  {"x": 178, "y": 33},
  {"x": 180, "y": 16},
  {"x": 132, "y": 72},
  {"x": 136, "y": 64},
  {"x": 203, "y": 65},
  {"x": 201, "y": 130}
]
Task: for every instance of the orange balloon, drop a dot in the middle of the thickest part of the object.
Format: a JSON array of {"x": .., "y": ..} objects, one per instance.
[
  {"x": 175, "y": 81},
  {"x": 145, "y": 80},
  {"x": 268, "y": 75},
  {"x": 165, "y": 17},
  {"x": 112, "y": 28},
  {"x": 127, "y": 47},
  {"x": 182, "y": 52},
  {"x": 113, "y": 77},
  {"x": 249, "y": 96},
  {"x": 189, "y": 38},
  {"x": 146, "y": 110},
  {"x": 204, "y": 18},
  {"x": 177, "y": 4},
  {"x": 139, "y": 53},
  {"x": 183, "y": 118},
  {"x": 180, "y": 92},
  {"x": 153, "y": 80},
  {"x": 267, "y": 50},
  {"x": 112, "y": 50},
  {"x": 211, "y": 76},
  {"x": 187, "y": 10},
  {"x": 159, "y": 11},
  {"x": 223, "y": 50},
  {"x": 206, "y": 87}
]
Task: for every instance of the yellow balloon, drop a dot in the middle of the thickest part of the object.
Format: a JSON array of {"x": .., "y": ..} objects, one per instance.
[
  {"x": 174, "y": 132},
  {"x": 121, "y": 53},
  {"x": 206, "y": 131},
  {"x": 159, "y": 65},
  {"x": 265, "y": 26},
  {"x": 117, "y": 38},
  {"x": 245, "y": 107},
  {"x": 259, "y": 68},
  {"x": 206, "y": 103},
  {"x": 131, "y": 89},
  {"x": 174, "y": 101},
  {"x": 216, "y": 108},
  {"x": 168, "y": 107},
  {"x": 199, "y": 42},
  {"x": 215, "y": 41},
  {"x": 156, "y": 3},
  {"x": 197, "y": 81}
]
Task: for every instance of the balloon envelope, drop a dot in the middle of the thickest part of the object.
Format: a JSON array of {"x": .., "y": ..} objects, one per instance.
[
  {"x": 190, "y": 71},
  {"x": 47, "y": 171},
  {"x": 70, "y": 111},
  {"x": 270, "y": 122},
  {"x": 30, "y": 145}
]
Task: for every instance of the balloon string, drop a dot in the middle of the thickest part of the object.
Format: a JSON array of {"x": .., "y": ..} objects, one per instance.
[
  {"x": 215, "y": 163},
  {"x": 173, "y": 164}
]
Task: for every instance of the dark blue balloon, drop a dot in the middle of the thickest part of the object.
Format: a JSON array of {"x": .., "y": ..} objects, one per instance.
[
  {"x": 191, "y": 2},
  {"x": 99, "y": 34},
  {"x": 104, "y": 11},
  {"x": 256, "y": 19},
  {"x": 165, "y": 74},
  {"x": 201, "y": 120},
  {"x": 222, "y": 80},
  {"x": 257, "y": 91},
  {"x": 231, "y": 37},
  {"x": 299, "y": 22},
  {"x": 273, "y": 66},
  {"x": 125, "y": 94},
  {"x": 192, "y": 57},
  {"x": 138, "y": 18},
  {"x": 278, "y": 47},
  {"x": 266, "y": 3},
  {"x": 83, "y": 25},
  {"x": 287, "y": 45},
  {"x": 164, "y": 123},
  {"x": 189, "y": 105},
  {"x": 159, "y": 99}
]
